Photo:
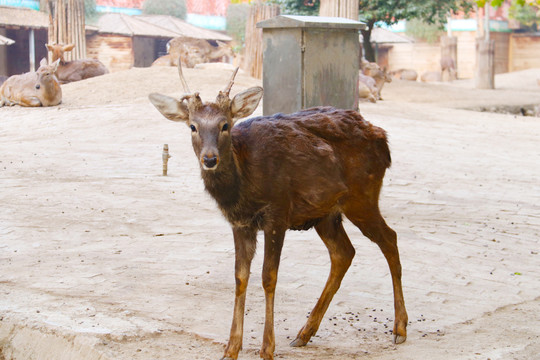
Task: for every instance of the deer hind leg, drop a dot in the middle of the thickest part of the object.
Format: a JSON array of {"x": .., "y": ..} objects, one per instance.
[
  {"x": 245, "y": 241},
  {"x": 341, "y": 253},
  {"x": 374, "y": 227}
]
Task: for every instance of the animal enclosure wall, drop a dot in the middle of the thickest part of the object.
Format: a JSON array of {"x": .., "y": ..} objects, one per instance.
[
  {"x": 421, "y": 57},
  {"x": 424, "y": 57},
  {"x": 524, "y": 51},
  {"x": 114, "y": 51}
]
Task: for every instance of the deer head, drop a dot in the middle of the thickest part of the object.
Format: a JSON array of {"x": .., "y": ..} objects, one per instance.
[
  {"x": 210, "y": 122},
  {"x": 46, "y": 72},
  {"x": 58, "y": 50}
]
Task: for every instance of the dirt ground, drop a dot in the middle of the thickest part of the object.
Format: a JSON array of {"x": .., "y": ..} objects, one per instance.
[{"x": 103, "y": 258}]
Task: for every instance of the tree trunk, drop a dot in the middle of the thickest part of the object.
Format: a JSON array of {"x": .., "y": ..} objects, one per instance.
[{"x": 369, "y": 52}]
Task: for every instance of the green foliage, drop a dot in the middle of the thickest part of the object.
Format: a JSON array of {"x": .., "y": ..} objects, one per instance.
[
  {"x": 175, "y": 8},
  {"x": 425, "y": 31},
  {"x": 526, "y": 14},
  {"x": 298, "y": 7},
  {"x": 90, "y": 11},
  {"x": 498, "y": 3},
  {"x": 392, "y": 11},
  {"x": 430, "y": 11},
  {"x": 237, "y": 15}
]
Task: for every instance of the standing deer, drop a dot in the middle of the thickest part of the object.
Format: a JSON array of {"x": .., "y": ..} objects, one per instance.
[
  {"x": 75, "y": 70},
  {"x": 39, "y": 88},
  {"x": 281, "y": 172}
]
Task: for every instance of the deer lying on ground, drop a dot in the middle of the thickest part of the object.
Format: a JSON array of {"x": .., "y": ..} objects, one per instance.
[
  {"x": 367, "y": 88},
  {"x": 371, "y": 81},
  {"x": 39, "y": 88},
  {"x": 431, "y": 76},
  {"x": 405, "y": 74},
  {"x": 75, "y": 70},
  {"x": 281, "y": 172},
  {"x": 194, "y": 51}
]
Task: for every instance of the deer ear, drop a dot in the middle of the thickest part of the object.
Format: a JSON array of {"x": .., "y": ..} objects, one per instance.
[
  {"x": 169, "y": 107},
  {"x": 43, "y": 62},
  {"x": 69, "y": 47},
  {"x": 49, "y": 47},
  {"x": 55, "y": 65},
  {"x": 245, "y": 103}
]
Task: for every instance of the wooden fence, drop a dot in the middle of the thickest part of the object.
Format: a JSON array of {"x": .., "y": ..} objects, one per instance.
[{"x": 67, "y": 26}]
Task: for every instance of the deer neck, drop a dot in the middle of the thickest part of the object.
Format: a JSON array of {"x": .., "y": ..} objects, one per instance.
[
  {"x": 49, "y": 89},
  {"x": 223, "y": 184}
]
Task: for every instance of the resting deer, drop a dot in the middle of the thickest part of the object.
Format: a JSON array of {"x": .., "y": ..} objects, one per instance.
[
  {"x": 39, "y": 88},
  {"x": 75, "y": 70},
  {"x": 281, "y": 172},
  {"x": 194, "y": 51}
]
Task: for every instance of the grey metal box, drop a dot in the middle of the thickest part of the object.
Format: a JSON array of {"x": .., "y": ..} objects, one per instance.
[{"x": 309, "y": 61}]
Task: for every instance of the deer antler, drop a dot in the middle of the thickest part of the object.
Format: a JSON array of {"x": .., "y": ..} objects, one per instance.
[
  {"x": 182, "y": 79},
  {"x": 194, "y": 100},
  {"x": 223, "y": 99},
  {"x": 227, "y": 89}
]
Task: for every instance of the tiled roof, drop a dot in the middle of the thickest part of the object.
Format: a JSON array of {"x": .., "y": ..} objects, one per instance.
[
  {"x": 12, "y": 16},
  {"x": 182, "y": 28}
]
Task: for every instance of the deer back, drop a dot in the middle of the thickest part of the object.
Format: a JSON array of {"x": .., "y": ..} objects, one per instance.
[
  {"x": 296, "y": 168},
  {"x": 75, "y": 70}
]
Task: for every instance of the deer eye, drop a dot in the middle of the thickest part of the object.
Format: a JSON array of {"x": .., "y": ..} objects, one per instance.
[
  {"x": 193, "y": 128},
  {"x": 225, "y": 127}
]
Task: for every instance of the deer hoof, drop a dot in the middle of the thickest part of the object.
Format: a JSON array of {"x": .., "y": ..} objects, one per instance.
[
  {"x": 298, "y": 342},
  {"x": 398, "y": 339}
]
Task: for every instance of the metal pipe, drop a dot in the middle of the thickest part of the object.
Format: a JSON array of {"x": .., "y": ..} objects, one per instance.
[{"x": 32, "y": 50}]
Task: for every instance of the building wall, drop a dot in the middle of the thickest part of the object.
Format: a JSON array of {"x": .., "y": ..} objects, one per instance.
[
  {"x": 144, "y": 51},
  {"x": 15, "y": 59},
  {"x": 130, "y": 7},
  {"x": 114, "y": 51},
  {"x": 421, "y": 57},
  {"x": 3, "y": 56},
  {"x": 424, "y": 57},
  {"x": 524, "y": 50},
  {"x": 209, "y": 14}
]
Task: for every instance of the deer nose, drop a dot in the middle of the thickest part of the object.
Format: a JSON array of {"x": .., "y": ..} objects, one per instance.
[{"x": 210, "y": 162}]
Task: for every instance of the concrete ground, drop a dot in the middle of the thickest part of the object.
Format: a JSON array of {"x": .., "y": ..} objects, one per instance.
[{"x": 101, "y": 257}]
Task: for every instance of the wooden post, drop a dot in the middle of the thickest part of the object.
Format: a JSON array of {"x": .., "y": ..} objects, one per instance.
[
  {"x": 484, "y": 76},
  {"x": 485, "y": 64},
  {"x": 165, "y": 157},
  {"x": 339, "y": 8},
  {"x": 259, "y": 11},
  {"x": 67, "y": 26}
]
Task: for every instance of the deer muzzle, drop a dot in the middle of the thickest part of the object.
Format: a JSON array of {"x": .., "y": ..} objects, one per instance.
[{"x": 209, "y": 162}]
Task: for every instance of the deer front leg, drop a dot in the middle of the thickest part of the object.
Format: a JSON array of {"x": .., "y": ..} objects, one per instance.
[
  {"x": 31, "y": 101},
  {"x": 245, "y": 241},
  {"x": 273, "y": 243}
]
